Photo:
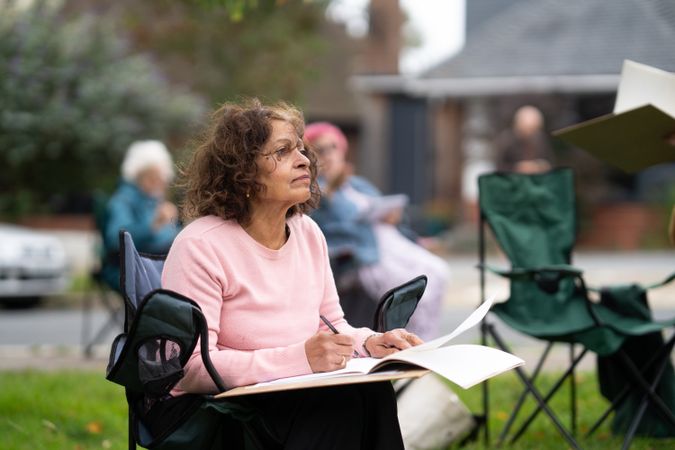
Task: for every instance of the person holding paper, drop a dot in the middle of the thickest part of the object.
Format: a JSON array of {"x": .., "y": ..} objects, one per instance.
[
  {"x": 355, "y": 217},
  {"x": 258, "y": 267}
]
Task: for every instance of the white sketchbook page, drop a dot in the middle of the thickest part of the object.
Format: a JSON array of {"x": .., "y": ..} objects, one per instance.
[
  {"x": 471, "y": 321},
  {"x": 356, "y": 366},
  {"x": 641, "y": 85},
  {"x": 384, "y": 205},
  {"x": 464, "y": 364}
]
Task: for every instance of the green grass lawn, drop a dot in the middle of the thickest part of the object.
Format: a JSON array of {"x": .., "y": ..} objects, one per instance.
[
  {"x": 69, "y": 410},
  {"x": 504, "y": 392},
  {"x": 78, "y": 410}
]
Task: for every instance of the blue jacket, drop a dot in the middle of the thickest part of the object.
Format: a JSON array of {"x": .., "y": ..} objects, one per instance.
[
  {"x": 339, "y": 220},
  {"x": 132, "y": 209}
]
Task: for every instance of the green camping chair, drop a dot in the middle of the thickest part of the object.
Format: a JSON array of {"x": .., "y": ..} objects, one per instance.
[{"x": 533, "y": 219}]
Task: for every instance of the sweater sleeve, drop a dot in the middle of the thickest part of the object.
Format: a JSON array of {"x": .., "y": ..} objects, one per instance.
[{"x": 193, "y": 269}]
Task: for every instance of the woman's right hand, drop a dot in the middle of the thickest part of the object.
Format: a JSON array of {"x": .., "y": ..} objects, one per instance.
[{"x": 326, "y": 351}]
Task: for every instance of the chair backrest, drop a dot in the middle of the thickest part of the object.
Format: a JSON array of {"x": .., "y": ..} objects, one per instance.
[
  {"x": 532, "y": 216},
  {"x": 398, "y": 304},
  {"x": 140, "y": 273}
]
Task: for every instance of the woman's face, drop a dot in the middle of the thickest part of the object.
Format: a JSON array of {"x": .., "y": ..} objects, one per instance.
[
  {"x": 331, "y": 158},
  {"x": 284, "y": 168},
  {"x": 152, "y": 183}
]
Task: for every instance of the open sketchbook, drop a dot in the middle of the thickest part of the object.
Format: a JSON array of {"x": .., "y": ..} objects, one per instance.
[
  {"x": 465, "y": 365},
  {"x": 639, "y": 132}
]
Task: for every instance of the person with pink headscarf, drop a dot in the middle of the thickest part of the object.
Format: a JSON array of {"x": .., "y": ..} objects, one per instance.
[{"x": 384, "y": 256}]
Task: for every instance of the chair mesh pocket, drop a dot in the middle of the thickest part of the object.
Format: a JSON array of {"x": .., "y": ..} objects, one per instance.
[{"x": 159, "y": 367}]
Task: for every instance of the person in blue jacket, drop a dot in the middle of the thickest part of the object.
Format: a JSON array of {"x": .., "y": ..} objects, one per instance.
[
  {"x": 139, "y": 206},
  {"x": 384, "y": 253}
]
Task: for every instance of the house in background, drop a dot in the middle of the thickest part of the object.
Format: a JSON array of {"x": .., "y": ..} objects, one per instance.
[
  {"x": 430, "y": 135},
  {"x": 332, "y": 99}
]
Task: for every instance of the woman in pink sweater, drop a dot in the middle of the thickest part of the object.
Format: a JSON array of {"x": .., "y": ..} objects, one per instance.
[{"x": 258, "y": 268}]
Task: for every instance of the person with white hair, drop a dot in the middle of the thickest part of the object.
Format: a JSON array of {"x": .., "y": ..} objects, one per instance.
[{"x": 139, "y": 206}]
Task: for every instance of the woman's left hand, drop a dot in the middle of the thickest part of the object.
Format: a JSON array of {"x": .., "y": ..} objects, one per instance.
[{"x": 381, "y": 345}]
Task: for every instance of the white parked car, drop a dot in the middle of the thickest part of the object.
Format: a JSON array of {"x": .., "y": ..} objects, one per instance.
[{"x": 33, "y": 265}]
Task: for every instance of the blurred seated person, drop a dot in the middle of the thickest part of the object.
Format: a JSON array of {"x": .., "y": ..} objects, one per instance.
[
  {"x": 258, "y": 267},
  {"x": 524, "y": 147},
  {"x": 671, "y": 227},
  {"x": 385, "y": 257},
  {"x": 139, "y": 206}
]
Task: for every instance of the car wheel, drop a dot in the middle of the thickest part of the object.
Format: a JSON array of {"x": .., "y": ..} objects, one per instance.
[{"x": 20, "y": 302}]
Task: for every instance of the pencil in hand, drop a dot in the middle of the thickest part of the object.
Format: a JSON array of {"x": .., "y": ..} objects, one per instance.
[{"x": 335, "y": 331}]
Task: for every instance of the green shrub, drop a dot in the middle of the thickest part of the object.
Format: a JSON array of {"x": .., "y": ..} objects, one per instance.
[{"x": 72, "y": 98}]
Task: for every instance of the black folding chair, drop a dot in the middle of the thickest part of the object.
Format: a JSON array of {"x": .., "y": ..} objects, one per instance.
[
  {"x": 161, "y": 331},
  {"x": 398, "y": 304}
]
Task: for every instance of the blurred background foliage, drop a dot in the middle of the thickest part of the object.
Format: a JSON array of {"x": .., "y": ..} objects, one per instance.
[
  {"x": 80, "y": 81},
  {"x": 267, "y": 52}
]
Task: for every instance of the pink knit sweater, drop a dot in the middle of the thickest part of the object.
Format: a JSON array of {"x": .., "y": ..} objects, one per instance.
[{"x": 261, "y": 305}]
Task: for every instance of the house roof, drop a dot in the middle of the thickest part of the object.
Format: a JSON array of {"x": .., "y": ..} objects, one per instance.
[
  {"x": 549, "y": 46},
  {"x": 582, "y": 39}
]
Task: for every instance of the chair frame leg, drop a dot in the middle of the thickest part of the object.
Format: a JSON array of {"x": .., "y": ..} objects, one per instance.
[
  {"x": 130, "y": 430},
  {"x": 573, "y": 390},
  {"x": 485, "y": 326},
  {"x": 568, "y": 373},
  {"x": 647, "y": 389},
  {"x": 115, "y": 319},
  {"x": 523, "y": 395},
  {"x": 539, "y": 399},
  {"x": 660, "y": 356},
  {"x": 632, "y": 429}
]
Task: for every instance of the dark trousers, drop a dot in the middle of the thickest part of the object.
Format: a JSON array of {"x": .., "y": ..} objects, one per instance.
[{"x": 355, "y": 416}]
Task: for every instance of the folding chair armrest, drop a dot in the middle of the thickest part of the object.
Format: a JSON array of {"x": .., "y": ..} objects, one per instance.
[
  {"x": 667, "y": 280},
  {"x": 663, "y": 282},
  {"x": 518, "y": 272},
  {"x": 206, "y": 358},
  {"x": 506, "y": 273}
]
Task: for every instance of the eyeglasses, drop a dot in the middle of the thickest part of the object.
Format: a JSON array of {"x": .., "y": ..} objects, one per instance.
[{"x": 286, "y": 151}]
